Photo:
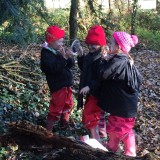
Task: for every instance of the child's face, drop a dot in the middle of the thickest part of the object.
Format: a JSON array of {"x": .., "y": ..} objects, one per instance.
[
  {"x": 57, "y": 45},
  {"x": 92, "y": 48},
  {"x": 113, "y": 46}
]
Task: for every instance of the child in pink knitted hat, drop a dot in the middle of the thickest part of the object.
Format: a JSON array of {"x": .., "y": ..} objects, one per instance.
[{"x": 119, "y": 92}]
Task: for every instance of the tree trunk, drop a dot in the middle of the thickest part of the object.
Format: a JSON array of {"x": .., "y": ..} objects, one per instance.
[
  {"x": 134, "y": 14},
  {"x": 73, "y": 26}
]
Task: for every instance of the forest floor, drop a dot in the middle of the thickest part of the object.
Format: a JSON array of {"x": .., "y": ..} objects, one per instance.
[{"x": 147, "y": 126}]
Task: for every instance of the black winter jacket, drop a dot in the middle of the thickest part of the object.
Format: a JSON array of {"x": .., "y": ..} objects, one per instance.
[
  {"x": 56, "y": 69},
  {"x": 119, "y": 87},
  {"x": 89, "y": 66}
]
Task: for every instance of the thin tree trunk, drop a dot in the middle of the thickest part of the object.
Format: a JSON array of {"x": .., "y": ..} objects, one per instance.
[
  {"x": 109, "y": 3},
  {"x": 134, "y": 16},
  {"x": 73, "y": 26}
]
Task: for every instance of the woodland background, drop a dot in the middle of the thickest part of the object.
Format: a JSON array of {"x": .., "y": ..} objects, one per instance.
[{"x": 24, "y": 94}]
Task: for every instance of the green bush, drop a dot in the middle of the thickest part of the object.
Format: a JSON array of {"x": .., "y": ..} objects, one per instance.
[
  {"x": 30, "y": 27},
  {"x": 149, "y": 38},
  {"x": 149, "y": 20}
]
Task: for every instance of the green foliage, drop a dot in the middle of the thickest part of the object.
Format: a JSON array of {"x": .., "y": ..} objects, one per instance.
[
  {"x": 149, "y": 20},
  {"x": 150, "y": 39},
  {"x": 94, "y": 16},
  {"x": 25, "y": 98},
  {"x": 59, "y": 17},
  {"x": 24, "y": 22},
  {"x": 12, "y": 152},
  {"x": 3, "y": 152},
  {"x": 20, "y": 21},
  {"x": 148, "y": 29}
]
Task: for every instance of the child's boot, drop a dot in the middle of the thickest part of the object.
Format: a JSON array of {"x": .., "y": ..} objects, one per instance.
[
  {"x": 113, "y": 142},
  {"x": 129, "y": 144},
  {"x": 64, "y": 121},
  {"x": 95, "y": 132},
  {"x": 102, "y": 130},
  {"x": 49, "y": 125}
]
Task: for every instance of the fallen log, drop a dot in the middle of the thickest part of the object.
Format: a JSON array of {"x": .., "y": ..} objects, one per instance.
[{"x": 33, "y": 138}]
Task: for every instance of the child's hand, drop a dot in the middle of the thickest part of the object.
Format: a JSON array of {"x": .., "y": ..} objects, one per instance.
[
  {"x": 62, "y": 51},
  {"x": 69, "y": 53},
  {"x": 66, "y": 53},
  {"x": 104, "y": 51},
  {"x": 85, "y": 90}
]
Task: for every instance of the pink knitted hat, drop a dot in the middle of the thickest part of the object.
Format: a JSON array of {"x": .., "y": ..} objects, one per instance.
[{"x": 125, "y": 40}]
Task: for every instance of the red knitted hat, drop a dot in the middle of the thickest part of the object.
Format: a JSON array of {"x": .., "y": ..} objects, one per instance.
[
  {"x": 54, "y": 33},
  {"x": 96, "y": 35},
  {"x": 125, "y": 40}
]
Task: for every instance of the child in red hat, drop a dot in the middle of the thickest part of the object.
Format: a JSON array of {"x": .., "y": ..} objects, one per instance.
[
  {"x": 119, "y": 92},
  {"x": 89, "y": 82},
  {"x": 56, "y": 63}
]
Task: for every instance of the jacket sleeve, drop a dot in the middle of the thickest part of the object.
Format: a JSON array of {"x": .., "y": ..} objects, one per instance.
[
  {"x": 94, "y": 84},
  {"x": 134, "y": 78},
  {"x": 52, "y": 64},
  {"x": 70, "y": 62},
  {"x": 80, "y": 62}
]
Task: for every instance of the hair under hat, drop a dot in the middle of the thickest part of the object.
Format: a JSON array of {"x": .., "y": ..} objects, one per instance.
[
  {"x": 125, "y": 40},
  {"x": 54, "y": 33},
  {"x": 96, "y": 36}
]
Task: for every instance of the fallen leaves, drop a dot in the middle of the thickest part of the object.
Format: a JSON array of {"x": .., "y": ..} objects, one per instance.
[{"x": 148, "y": 118}]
